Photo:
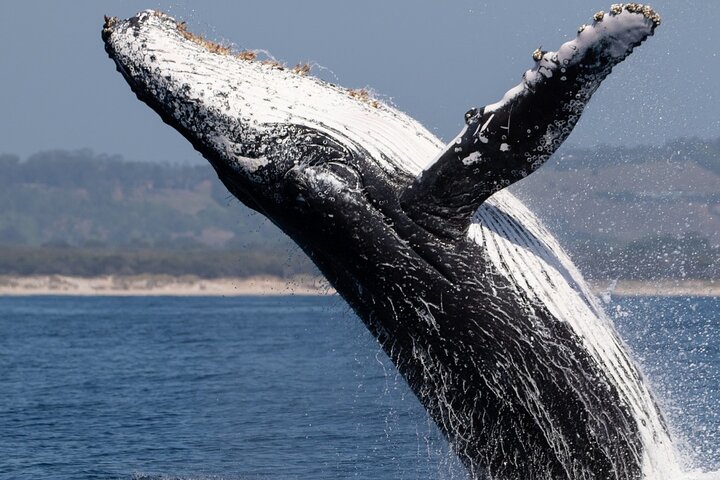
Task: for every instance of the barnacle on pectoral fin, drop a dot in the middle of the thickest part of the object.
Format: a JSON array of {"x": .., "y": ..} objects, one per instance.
[
  {"x": 538, "y": 54},
  {"x": 646, "y": 10},
  {"x": 109, "y": 24}
]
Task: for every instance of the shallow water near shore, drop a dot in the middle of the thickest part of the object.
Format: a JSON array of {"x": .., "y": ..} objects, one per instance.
[{"x": 271, "y": 388}]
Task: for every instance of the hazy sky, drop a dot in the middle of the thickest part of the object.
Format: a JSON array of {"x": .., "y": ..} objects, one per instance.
[{"x": 433, "y": 59}]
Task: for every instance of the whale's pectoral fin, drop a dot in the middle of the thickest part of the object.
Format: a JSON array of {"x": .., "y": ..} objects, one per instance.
[{"x": 504, "y": 142}]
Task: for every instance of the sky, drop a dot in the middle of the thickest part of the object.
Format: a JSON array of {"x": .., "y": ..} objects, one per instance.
[{"x": 431, "y": 59}]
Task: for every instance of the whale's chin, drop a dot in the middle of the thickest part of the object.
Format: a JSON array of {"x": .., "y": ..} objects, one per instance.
[{"x": 473, "y": 299}]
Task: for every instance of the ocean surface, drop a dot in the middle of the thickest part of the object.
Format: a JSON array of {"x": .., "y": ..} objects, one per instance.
[{"x": 270, "y": 388}]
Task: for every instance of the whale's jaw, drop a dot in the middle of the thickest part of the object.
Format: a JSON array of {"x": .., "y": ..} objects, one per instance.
[{"x": 474, "y": 301}]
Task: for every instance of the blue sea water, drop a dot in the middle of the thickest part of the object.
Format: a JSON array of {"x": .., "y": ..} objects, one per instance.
[{"x": 269, "y": 388}]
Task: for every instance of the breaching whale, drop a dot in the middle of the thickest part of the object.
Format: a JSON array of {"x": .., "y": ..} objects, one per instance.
[{"x": 474, "y": 301}]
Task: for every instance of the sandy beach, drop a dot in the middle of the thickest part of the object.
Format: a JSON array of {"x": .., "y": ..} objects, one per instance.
[
  {"x": 665, "y": 288},
  {"x": 158, "y": 285},
  {"x": 189, "y": 285}
]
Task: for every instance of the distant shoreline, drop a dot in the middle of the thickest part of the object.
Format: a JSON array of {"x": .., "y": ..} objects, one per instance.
[
  {"x": 664, "y": 288},
  {"x": 190, "y": 285},
  {"x": 162, "y": 285}
]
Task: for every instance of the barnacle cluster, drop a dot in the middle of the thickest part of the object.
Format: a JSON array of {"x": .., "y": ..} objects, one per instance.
[
  {"x": 211, "y": 46},
  {"x": 538, "y": 54},
  {"x": 618, "y": 8},
  {"x": 272, "y": 63},
  {"x": 247, "y": 55},
  {"x": 645, "y": 10},
  {"x": 109, "y": 24},
  {"x": 363, "y": 94},
  {"x": 301, "y": 68}
]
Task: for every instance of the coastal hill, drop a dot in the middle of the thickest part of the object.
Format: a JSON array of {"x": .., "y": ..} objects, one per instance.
[
  {"x": 634, "y": 213},
  {"x": 622, "y": 213}
]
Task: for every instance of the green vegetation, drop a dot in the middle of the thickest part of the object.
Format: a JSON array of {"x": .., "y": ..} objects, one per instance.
[
  {"x": 206, "y": 263},
  {"x": 635, "y": 213},
  {"x": 80, "y": 199},
  {"x": 76, "y": 213}
]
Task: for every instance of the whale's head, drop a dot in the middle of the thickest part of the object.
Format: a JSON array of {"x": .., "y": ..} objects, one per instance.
[{"x": 276, "y": 135}]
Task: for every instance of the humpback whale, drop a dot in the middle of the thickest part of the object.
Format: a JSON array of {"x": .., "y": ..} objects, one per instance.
[{"x": 475, "y": 302}]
